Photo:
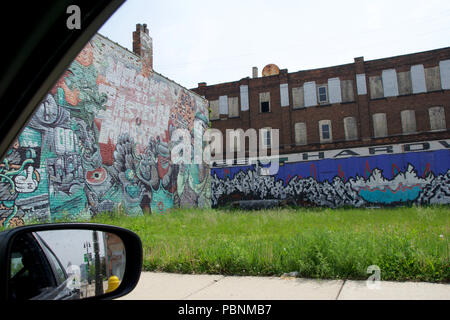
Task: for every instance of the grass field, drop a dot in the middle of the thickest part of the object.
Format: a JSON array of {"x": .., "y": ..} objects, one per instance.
[{"x": 409, "y": 243}]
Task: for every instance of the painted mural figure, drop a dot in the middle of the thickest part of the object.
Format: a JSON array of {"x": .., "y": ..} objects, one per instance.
[
  {"x": 100, "y": 141},
  {"x": 17, "y": 177},
  {"x": 125, "y": 165},
  {"x": 77, "y": 92},
  {"x": 80, "y": 87},
  {"x": 194, "y": 180},
  {"x": 163, "y": 185}
]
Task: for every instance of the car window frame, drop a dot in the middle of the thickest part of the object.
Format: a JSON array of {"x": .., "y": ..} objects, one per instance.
[
  {"x": 38, "y": 253},
  {"x": 48, "y": 251}
]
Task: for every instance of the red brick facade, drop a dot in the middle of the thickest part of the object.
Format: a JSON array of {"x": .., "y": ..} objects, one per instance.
[{"x": 412, "y": 73}]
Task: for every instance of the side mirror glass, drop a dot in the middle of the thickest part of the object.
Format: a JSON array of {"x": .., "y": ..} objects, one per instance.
[{"x": 69, "y": 264}]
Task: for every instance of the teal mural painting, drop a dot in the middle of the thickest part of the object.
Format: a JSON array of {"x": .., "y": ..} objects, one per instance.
[{"x": 101, "y": 141}]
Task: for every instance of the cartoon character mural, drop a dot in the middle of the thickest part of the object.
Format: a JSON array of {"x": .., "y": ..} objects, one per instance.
[
  {"x": 20, "y": 177},
  {"x": 377, "y": 180},
  {"x": 194, "y": 180},
  {"x": 101, "y": 140}
]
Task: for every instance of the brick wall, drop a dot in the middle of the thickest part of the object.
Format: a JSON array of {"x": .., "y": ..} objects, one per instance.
[{"x": 362, "y": 107}]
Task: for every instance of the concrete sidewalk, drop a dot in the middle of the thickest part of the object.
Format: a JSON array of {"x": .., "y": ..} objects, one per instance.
[{"x": 168, "y": 286}]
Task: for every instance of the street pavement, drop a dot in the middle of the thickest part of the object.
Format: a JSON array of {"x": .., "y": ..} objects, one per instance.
[{"x": 169, "y": 286}]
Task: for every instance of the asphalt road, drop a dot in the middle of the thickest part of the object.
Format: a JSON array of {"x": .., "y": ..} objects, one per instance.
[{"x": 167, "y": 286}]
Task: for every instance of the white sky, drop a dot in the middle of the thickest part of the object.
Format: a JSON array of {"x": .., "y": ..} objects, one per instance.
[
  {"x": 220, "y": 41},
  {"x": 68, "y": 244}
]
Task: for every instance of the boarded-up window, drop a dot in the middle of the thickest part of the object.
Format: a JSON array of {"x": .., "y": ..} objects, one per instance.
[
  {"x": 404, "y": 83},
  {"x": 408, "y": 121},
  {"x": 437, "y": 118},
  {"x": 284, "y": 94},
  {"x": 214, "y": 106},
  {"x": 300, "y": 133},
  {"x": 233, "y": 107},
  {"x": 433, "y": 79},
  {"x": 264, "y": 101},
  {"x": 444, "y": 67},
  {"x": 334, "y": 90},
  {"x": 418, "y": 79},
  {"x": 379, "y": 125},
  {"x": 350, "y": 128},
  {"x": 347, "y": 91},
  {"x": 361, "y": 84},
  {"x": 298, "y": 97},
  {"x": 376, "y": 87},
  {"x": 325, "y": 132},
  {"x": 244, "y": 98},
  {"x": 223, "y": 105},
  {"x": 390, "y": 84},
  {"x": 309, "y": 89}
]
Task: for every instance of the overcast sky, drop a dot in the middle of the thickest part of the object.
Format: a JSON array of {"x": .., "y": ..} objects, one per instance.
[
  {"x": 220, "y": 41},
  {"x": 68, "y": 245}
]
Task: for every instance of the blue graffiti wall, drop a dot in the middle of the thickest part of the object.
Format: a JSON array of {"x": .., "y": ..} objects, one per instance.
[{"x": 388, "y": 179}]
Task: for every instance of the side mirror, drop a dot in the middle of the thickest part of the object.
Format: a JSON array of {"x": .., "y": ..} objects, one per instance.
[{"x": 68, "y": 261}]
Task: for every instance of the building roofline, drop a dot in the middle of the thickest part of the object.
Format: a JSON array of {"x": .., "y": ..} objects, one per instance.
[
  {"x": 373, "y": 61},
  {"x": 410, "y": 54}
]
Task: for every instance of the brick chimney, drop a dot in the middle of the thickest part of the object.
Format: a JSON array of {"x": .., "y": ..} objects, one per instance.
[
  {"x": 255, "y": 72},
  {"x": 143, "y": 45}
]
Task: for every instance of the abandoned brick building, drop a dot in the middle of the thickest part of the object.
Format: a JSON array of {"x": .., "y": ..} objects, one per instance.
[{"x": 392, "y": 100}]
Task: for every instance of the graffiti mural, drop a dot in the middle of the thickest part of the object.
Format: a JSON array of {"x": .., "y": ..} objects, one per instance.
[
  {"x": 101, "y": 141},
  {"x": 377, "y": 180}
]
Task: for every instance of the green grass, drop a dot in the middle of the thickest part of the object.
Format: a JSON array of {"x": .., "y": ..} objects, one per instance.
[{"x": 409, "y": 243}]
